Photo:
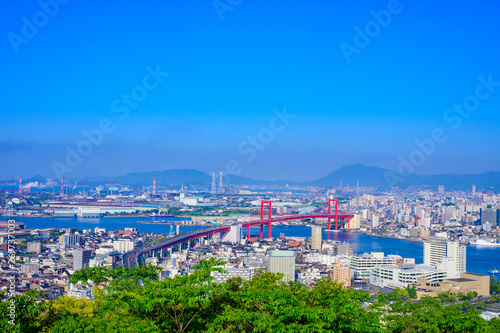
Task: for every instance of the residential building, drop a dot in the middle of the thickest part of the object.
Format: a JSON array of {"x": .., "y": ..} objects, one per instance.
[
  {"x": 309, "y": 276},
  {"x": 69, "y": 239},
  {"x": 316, "y": 237},
  {"x": 324, "y": 259},
  {"x": 34, "y": 247},
  {"x": 81, "y": 259},
  {"x": 489, "y": 215},
  {"x": 246, "y": 273},
  {"x": 30, "y": 268},
  {"x": 80, "y": 293},
  {"x": 341, "y": 273},
  {"x": 124, "y": 244},
  {"x": 446, "y": 256},
  {"x": 343, "y": 249},
  {"x": 441, "y": 189},
  {"x": 282, "y": 262}
]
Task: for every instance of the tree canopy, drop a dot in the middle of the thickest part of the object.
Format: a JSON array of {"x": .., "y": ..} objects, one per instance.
[{"x": 135, "y": 300}]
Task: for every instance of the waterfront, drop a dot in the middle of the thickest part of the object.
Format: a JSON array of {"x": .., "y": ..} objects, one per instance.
[{"x": 479, "y": 259}]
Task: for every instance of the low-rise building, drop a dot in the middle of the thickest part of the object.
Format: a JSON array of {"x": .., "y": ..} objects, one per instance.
[
  {"x": 124, "y": 244},
  {"x": 402, "y": 275},
  {"x": 246, "y": 273},
  {"x": 367, "y": 261},
  {"x": 34, "y": 247}
]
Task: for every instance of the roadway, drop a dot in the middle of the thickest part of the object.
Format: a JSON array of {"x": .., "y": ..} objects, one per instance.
[{"x": 130, "y": 259}]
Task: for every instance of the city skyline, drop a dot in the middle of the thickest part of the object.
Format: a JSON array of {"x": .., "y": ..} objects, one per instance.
[{"x": 311, "y": 87}]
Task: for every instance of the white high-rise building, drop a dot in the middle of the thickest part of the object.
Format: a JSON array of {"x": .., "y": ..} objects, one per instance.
[
  {"x": 316, "y": 238},
  {"x": 447, "y": 256}
]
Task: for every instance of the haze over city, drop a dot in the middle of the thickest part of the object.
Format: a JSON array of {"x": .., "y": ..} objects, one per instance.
[{"x": 360, "y": 82}]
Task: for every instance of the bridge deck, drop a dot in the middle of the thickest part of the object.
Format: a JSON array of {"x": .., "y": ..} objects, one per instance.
[{"x": 193, "y": 234}]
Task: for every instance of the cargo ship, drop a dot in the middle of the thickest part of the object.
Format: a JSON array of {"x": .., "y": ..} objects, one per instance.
[
  {"x": 155, "y": 222},
  {"x": 484, "y": 242}
]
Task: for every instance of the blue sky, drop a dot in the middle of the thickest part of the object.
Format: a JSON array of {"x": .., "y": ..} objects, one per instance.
[{"x": 225, "y": 78}]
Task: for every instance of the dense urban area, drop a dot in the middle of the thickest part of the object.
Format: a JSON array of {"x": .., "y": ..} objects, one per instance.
[{"x": 66, "y": 262}]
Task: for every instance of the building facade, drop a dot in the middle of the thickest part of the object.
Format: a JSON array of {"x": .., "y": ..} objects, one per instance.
[
  {"x": 447, "y": 256},
  {"x": 489, "y": 215},
  {"x": 316, "y": 238},
  {"x": 400, "y": 276},
  {"x": 246, "y": 273},
  {"x": 342, "y": 273},
  {"x": 124, "y": 245},
  {"x": 81, "y": 259},
  {"x": 34, "y": 247},
  {"x": 366, "y": 262},
  {"x": 343, "y": 249},
  {"x": 282, "y": 262}
]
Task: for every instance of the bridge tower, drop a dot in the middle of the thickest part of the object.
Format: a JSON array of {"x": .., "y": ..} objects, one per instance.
[
  {"x": 262, "y": 203},
  {"x": 329, "y": 211}
]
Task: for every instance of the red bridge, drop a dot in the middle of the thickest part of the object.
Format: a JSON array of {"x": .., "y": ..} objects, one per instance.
[
  {"x": 270, "y": 220},
  {"x": 133, "y": 258}
]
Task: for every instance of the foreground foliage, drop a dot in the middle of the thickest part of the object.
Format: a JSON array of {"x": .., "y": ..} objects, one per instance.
[{"x": 133, "y": 300}]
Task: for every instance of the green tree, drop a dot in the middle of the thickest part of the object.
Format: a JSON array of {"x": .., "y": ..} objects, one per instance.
[
  {"x": 266, "y": 304},
  {"x": 31, "y": 315},
  {"x": 402, "y": 293},
  {"x": 412, "y": 292}
]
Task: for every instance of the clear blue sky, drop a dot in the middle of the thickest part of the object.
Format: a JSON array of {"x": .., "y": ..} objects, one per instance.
[{"x": 227, "y": 76}]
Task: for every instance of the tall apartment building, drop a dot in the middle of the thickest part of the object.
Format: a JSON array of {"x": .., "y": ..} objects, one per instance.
[
  {"x": 282, "y": 262},
  {"x": 316, "y": 238},
  {"x": 81, "y": 259},
  {"x": 446, "y": 256},
  {"x": 489, "y": 215},
  {"x": 342, "y": 273},
  {"x": 441, "y": 189}
]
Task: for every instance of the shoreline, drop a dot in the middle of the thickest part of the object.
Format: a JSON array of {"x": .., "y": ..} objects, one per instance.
[{"x": 391, "y": 237}]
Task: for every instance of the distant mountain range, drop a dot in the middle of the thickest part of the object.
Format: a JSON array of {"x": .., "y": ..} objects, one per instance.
[{"x": 367, "y": 176}]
